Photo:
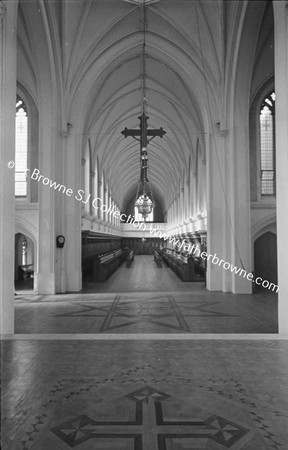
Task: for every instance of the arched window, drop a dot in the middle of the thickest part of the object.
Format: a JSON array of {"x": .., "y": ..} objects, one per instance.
[
  {"x": 267, "y": 145},
  {"x": 24, "y": 251},
  {"x": 138, "y": 216},
  {"x": 21, "y": 148}
]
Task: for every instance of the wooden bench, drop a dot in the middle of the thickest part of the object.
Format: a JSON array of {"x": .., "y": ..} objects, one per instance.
[
  {"x": 99, "y": 267},
  {"x": 130, "y": 259},
  {"x": 158, "y": 258},
  {"x": 187, "y": 268}
]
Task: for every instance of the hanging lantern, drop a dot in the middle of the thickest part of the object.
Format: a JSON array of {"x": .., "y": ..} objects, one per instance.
[{"x": 145, "y": 205}]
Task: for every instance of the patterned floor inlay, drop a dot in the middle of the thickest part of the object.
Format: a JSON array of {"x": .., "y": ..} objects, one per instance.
[
  {"x": 145, "y": 313},
  {"x": 148, "y": 403},
  {"x": 162, "y": 312},
  {"x": 141, "y": 395},
  {"x": 105, "y": 413}
]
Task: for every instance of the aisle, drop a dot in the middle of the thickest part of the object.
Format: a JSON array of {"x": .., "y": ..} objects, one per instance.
[{"x": 143, "y": 275}]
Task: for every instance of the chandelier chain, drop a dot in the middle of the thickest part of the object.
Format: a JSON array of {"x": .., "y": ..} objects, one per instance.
[{"x": 144, "y": 98}]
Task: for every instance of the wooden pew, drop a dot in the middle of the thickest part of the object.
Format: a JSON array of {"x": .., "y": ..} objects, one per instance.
[
  {"x": 101, "y": 266},
  {"x": 186, "y": 267},
  {"x": 129, "y": 259},
  {"x": 158, "y": 258}
]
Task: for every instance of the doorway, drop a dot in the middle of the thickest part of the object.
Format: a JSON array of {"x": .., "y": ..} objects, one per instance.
[
  {"x": 24, "y": 263},
  {"x": 265, "y": 258}
]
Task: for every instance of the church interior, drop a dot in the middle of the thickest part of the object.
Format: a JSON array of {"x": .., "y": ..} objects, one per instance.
[{"x": 144, "y": 180}]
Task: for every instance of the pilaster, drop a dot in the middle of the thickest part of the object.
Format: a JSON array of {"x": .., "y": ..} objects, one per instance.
[
  {"x": 281, "y": 90},
  {"x": 8, "y": 42}
]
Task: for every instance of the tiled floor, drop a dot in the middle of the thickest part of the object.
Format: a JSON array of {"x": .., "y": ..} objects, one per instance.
[
  {"x": 145, "y": 299},
  {"x": 143, "y": 275},
  {"x": 145, "y": 395},
  {"x": 196, "y": 312},
  {"x": 135, "y": 377}
]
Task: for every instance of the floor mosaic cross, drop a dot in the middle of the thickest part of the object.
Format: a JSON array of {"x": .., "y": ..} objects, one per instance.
[{"x": 149, "y": 429}]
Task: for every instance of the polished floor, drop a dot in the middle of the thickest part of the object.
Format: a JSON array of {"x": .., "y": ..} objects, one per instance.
[
  {"x": 145, "y": 299},
  {"x": 131, "y": 365},
  {"x": 195, "y": 312}
]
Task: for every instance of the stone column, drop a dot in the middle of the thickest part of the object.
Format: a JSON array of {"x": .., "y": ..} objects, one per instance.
[
  {"x": 50, "y": 203},
  {"x": 186, "y": 199},
  {"x": 105, "y": 202},
  {"x": 72, "y": 218},
  {"x": 228, "y": 224},
  {"x": 99, "y": 203},
  {"x": 215, "y": 207},
  {"x": 8, "y": 45},
  {"x": 190, "y": 196},
  {"x": 281, "y": 90},
  {"x": 171, "y": 213},
  {"x": 194, "y": 199},
  {"x": 93, "y": 190},
  {"x": 109, "y": 204},
  {"x": 83, "y": 163},
  {"x": 182, "y": 206},
  {"x": 178, "y": 209},
  {"x": 87, "y": 186}
]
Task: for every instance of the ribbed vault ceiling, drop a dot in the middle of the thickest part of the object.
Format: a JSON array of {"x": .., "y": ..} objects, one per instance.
[
  {"x": 97, "y": 46},
  {"x": 114, "y": 102}
]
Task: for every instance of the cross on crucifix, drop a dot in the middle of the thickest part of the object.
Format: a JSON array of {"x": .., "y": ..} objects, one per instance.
[
  {"x": 143, "y": 132},
  {"x": 142, "y": 135}
]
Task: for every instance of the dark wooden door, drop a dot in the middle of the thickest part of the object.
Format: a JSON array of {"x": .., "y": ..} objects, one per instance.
[{"x": 265, "y": 257}]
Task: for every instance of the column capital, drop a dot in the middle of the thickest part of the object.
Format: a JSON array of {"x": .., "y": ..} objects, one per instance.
[
  {"x": 92, "y": 174},
  {"x": 83, "y": 161}
]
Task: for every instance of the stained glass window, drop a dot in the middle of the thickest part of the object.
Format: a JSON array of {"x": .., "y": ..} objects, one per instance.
[
  {"x": 267, "y": 145},
  {"x": 21, "y": 148}
]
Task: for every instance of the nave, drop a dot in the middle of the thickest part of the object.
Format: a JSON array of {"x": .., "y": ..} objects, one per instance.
[
  {"x": 143, "y": 361},
  {"x": 145, "y": 299}
]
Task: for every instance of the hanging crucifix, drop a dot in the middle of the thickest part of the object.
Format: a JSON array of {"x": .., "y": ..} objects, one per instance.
[{"x": 144, "y": 135}]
